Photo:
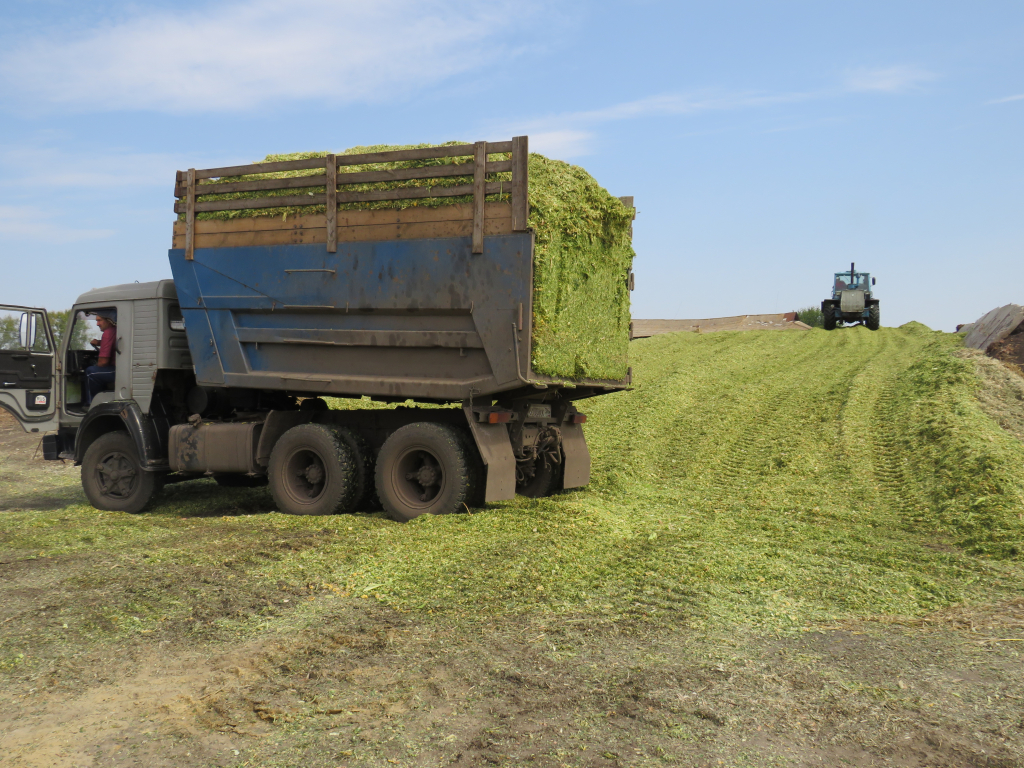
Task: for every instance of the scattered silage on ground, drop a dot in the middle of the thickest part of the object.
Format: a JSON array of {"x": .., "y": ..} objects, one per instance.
[
  {"x": 774, "y": 480},
  {"x": 583, "y": 252}
]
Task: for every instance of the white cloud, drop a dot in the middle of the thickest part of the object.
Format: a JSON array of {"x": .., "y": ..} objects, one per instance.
[
  {"x": 1018, "y": 97},
  {"x": 570, "y": 134},
  {"x": 240, "y": 55},
  {"x": 31, "y": 166},
  {"x": 887, "y": 79},
  {"x": 562, "y": 144},
  {"x": 24, "y": 221}
]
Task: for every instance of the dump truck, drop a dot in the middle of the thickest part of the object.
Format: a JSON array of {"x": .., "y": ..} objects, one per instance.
[
  {"x": 852, "y": 301},
  {"x": 420, "y": 321}
]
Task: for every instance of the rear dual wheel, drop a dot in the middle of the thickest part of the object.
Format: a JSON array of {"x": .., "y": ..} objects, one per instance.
[
  {"x": 427, "y": 468},
  {"x": 320, "y": 470}
]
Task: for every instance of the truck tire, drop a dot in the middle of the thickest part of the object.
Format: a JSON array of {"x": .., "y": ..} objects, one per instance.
[
  {"x": 312, "y": 472},
  {"x": 828, "y": 317},
  {"x": 424, "y": 468},
  {"x": 874, "y": 317},
  {"x": 113, "y": 477},
  {"x": 362, "y": 456}
]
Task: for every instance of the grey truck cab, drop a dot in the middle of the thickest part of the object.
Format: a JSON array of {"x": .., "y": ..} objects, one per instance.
[{"x": 43, "y": 386}]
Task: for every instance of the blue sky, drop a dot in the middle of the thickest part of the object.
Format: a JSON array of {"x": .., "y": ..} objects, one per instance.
[{"x": 767, "y": 144}]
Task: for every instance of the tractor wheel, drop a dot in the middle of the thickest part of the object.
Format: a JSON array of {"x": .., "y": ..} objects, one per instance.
[
  {"x": 828, "y": 317},
  {"x": 874, "y": 317},
  {"x": 425, "y": 468},
  {"x": 312, "y": 472},
  {"x": 112, "y": 475}
]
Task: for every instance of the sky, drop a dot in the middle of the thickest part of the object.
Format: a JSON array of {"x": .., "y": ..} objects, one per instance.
[{"x": 767, "y": 145}]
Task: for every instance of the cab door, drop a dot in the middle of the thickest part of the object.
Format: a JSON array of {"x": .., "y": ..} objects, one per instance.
[{"x": 27, "y": 367}]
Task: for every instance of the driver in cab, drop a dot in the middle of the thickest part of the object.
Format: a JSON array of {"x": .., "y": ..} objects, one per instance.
[{"x": 100, "y": 377}]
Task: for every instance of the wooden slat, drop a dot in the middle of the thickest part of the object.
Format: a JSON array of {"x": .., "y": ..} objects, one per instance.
[
  {"x": 331, "y": 209},
  {"x": 367, "y": 233},
  {"x": 458, "y": 150},
  {"x": 190, "y": 215},
  {"x": 520, "y": 183},
  {"x": 285, "y": 201},
  {"x": 277, "y": 165},
  {"x": 414, "y": 214},
  {"x": 426, "y": 153},
  {"x": 363, "y": 177},
  {"x": 479, "y": 191}
]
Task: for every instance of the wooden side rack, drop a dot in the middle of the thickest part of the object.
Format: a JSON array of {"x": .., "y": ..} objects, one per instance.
[{"x": 475, "y": 219}]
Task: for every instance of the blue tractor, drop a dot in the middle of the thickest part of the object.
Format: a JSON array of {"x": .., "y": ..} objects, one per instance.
[{"x": 852, "y": 301}]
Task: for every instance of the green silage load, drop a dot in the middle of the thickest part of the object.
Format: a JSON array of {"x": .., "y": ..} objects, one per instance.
[{"x": 582, "y": 256}]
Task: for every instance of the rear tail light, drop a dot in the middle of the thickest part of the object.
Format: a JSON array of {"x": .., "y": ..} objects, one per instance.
[
  {"x": 578, "y": 418},
  {"x": 499, "y": 417}
]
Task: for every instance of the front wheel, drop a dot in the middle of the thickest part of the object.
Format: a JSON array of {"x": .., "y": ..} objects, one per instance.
[
  {"x": 113, "y": 477},
  {"x": 828, "y": 317},
  {"x": 874, "y": 317},
  {"x": 424, "y": 468}
]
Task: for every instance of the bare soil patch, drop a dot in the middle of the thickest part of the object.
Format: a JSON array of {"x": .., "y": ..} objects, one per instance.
[{"x": 368, "y": 687}]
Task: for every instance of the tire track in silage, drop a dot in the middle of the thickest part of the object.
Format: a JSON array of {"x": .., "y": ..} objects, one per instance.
[
  {"x": 783, "y": 408},
  {"x": 874, "y": 423}
]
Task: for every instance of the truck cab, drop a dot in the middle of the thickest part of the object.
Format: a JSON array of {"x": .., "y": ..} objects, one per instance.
[{"x": 43, "y": 378}]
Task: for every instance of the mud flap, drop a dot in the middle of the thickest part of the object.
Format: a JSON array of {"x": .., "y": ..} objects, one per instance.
[
  {"x": 495, "y": 446},
  {"x": 577, "y": 456}
]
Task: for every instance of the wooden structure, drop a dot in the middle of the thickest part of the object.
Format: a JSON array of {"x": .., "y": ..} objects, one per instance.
[{"x": 475, "y": 219}]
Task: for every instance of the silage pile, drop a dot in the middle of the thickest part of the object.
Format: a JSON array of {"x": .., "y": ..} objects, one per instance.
[{"x": 582, "y": 257}]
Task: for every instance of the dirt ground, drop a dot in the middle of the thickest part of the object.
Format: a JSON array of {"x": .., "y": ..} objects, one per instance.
[{"x": 368, "y": 686}]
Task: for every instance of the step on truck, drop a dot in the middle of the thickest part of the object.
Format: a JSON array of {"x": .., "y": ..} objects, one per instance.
[
  {"x": 852, "y": 301},
  {"x": 223, "y": 371}
]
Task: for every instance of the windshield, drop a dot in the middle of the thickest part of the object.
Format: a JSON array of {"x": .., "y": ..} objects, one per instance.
[{"x": 859, "y": 281}]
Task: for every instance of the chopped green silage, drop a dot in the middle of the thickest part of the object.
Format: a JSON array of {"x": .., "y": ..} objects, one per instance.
[
  {"x": 760, "y": 479},
  {"x": 583, "y": 253}
]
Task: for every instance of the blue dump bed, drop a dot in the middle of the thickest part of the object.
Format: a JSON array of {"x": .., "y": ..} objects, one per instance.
[{"x": 423, "y": 318}]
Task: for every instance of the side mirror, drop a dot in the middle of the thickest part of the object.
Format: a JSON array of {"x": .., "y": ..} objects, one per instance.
[
  {"x": 872, "y": 281},
  {"x": 27, "y": 330}
]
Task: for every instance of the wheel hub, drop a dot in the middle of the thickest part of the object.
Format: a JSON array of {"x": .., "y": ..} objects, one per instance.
[
  {"x": 117, "y": 476},
  {"x": 314, "y": 474}
]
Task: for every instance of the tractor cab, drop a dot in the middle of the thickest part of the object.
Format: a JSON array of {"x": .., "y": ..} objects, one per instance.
[{"x": 852, "y": 281}]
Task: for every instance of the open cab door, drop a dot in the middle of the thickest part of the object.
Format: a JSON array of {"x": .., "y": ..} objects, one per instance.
[{"x": 27, "y": 367}]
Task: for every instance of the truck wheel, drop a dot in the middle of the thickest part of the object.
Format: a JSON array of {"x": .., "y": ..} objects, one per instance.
[
  {"x": 423, "y": 468},
  {"x": 828, "y": 317},
  {"x": 112, "y": 475},
  {"x": 538, "y": 479},
  {"x": 362, "y": 457},
  {"x": 874, "y": 317},
  {"x": 312, "y": 472}
]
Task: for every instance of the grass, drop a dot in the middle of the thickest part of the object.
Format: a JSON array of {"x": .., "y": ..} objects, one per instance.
[{"x": 766, "y": 480}]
